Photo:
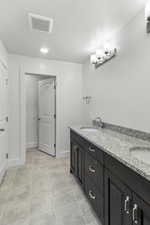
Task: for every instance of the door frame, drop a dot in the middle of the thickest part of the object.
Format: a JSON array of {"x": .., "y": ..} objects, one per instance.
[
  {"x": 22, "y": 107},
  {"x": 4, "y": 166},
  {"x": 54, "y": 79}
]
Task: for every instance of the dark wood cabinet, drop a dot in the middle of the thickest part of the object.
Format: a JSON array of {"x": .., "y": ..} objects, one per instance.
[
  {"x": 74, "y": 158},
  {"x": 87, "y": 166},
  {"x": 94, "y": 184},
  {"x": 77, "y": 161},
  {"x": 118, "y": 194},
  {"x": 118, "y": 199},
  {"x": 80, "y": 159}
]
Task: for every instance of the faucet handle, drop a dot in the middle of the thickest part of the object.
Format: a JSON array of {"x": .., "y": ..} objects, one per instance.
[
  {"x": 98, "y": 122},
  {"x": 98, "y": 118}
]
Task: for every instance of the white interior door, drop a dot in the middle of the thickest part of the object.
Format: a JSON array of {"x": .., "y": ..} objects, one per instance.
[
  {"x": 47, "y": 116},
  {"x": 3, "y": 118},
  {"x": 31, "y": 111}
]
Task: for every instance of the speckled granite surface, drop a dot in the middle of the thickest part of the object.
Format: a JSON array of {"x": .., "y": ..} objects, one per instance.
[
  {"x": 118, "y": 145},
  {"x": 128, "y": 131}
]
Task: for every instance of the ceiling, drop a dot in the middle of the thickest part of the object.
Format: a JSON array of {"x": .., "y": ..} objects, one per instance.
[{"x": 79, "y": 25}]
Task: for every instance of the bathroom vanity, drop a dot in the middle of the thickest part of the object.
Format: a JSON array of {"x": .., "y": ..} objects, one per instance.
[{"x": 114, "y": 179}]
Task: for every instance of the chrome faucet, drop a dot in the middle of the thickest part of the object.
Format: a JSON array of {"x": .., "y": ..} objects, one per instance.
[{"x": 97, "y": 122}]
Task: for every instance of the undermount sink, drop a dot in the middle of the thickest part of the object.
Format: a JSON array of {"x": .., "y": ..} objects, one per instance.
[
  {"x": 89, "y": 129},
  {"x": 141, "y": 153}
]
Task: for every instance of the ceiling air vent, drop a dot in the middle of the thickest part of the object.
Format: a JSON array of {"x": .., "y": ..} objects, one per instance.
[{"x": 40, "y": 23}]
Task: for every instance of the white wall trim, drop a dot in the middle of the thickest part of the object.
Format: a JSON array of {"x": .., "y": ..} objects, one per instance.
[
  {"x": 31, "y": 145},
  {"x": 3, "y": 170},
  {"x": 23, "y": 110},
  {"x": 68, "y": 80},
  {"x": 44, "y": 147},
  {"x": 63, "y": 154},
  {"x": 3, "y": 55},
  {"x": 8, "y": 164},
  {"x": 15, "y": 162}
]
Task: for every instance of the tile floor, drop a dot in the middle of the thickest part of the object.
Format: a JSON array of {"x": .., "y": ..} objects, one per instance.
[{"x": 43, "y": 192}]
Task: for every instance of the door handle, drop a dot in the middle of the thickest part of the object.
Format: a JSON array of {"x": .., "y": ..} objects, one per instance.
[
  {"x": 135, "y": 214},
  {"x": 126, "y": 204},
  {"x": 2, "y": 130},
  {"x": 92, "y": 196},
  {"x": 91, "y": 149},
  {"x": 91, "y": 169}
]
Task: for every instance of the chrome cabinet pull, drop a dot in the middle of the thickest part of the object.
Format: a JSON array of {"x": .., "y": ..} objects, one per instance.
[
  {"x": 92, "y": 196},
  {"x": 91, "y": 149},
  {"x": 135, "y": 214},
  {"x": 91, "y": 169},
  {"x": 126, "y": 204}
]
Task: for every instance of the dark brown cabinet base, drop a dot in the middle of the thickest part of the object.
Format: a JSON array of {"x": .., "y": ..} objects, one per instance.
[
  {"x": 118, "y": 195},
  {"x": 117, "y": 201}
]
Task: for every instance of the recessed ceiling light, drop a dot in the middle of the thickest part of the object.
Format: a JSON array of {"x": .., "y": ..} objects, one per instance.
[{"x": 44, "y": 50}]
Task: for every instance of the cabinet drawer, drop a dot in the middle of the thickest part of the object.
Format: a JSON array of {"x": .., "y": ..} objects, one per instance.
[
  {"x": 94, "y": 171},
  {"x": 95, "y": 152},
  {"x": 95, "y": 198},
  {"x": 91, "y": 148},
  {"x": 78, "y": 139}
]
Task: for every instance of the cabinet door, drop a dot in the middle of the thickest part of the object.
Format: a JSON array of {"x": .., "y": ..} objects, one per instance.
[
  {"x": 140, "y": 212},
  {"x": 81, "y": 165},
  {"x": 117, "y": 202},
  {"x": 77, "y": 161},
  {"x": 74, "y": 158}
]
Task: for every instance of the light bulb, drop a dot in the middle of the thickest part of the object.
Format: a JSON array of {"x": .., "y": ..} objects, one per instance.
[
  {"x": 99, "y": 53},
  {"x": 147, "y": 10},
  {"x": 44, "y": 50},
  {"x": 93, "y": 59}
]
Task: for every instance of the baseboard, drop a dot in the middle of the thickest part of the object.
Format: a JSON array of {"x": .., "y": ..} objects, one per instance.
[
  {"x": 44, "y": 148},
  {"x": 15, "y": 162},
  {"x": 31, "y": 145},
  {"x": 63, "y": 154},
  {"x": 31, "y": 149},
  {"x": 3, "y": 170}
]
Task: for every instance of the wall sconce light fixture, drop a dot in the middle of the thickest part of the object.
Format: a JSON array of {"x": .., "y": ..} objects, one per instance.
[
  {"x": 147, "y": 16},
  {"x": 102, "y": 55}
]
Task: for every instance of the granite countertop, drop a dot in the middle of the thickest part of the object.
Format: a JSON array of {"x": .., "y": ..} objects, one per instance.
[{"x": 118, "y": 145}]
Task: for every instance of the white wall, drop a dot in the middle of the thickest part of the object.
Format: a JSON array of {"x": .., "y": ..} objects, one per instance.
[
  {"x": 31, "y": 111},
  {"x": 3, "y": 110},
  {"x": 3, "y": 54},
  {"x": 69, "y": 97},
  {"x": 120, "y": 89}
]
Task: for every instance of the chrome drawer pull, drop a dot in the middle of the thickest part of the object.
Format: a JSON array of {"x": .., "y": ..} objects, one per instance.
[
  {"x": 91, "y": 149},
  {"x": 126, "y": 204},
  {"x": 135, "y": 214},
  {"x": 92, "y": 196},
  {"x": 91, "y": 169}
]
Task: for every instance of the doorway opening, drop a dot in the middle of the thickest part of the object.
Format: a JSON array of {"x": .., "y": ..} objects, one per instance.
[{"x": 40, "y": 113}]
